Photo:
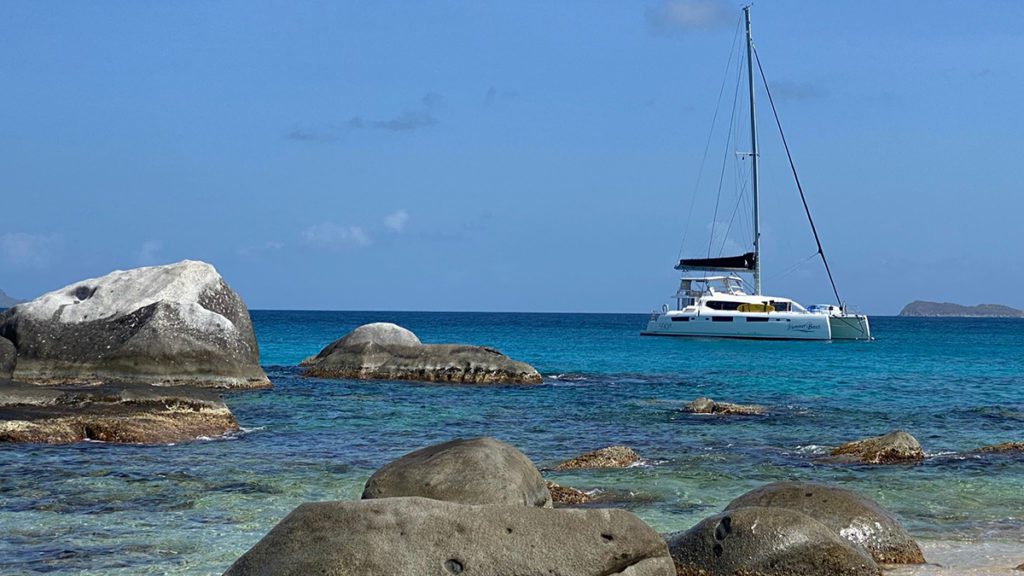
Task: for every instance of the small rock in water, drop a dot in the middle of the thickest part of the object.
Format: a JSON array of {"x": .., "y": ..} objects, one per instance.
[
  {"x": 567, "y": 495},
  {"x": 610, "y": 457},
  {"x": 469, "y": 471},
  {"x": 708, "y": 406},
  {"x": 385, "y": 351},
  {"x": 848, "y": 514},
  {"x": 419, "y": 536},
  {"x": 766, "y": 542},
  {"x": 894, "y": 447},
  {"x": 1004, "y": 447}
]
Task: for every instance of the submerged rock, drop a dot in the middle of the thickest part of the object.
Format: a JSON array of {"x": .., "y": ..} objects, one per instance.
[
  {"x": 469, "y": 471},
  {"x": 610, "y": 457},
  {"x": 419, "y": 536},
  {"x": 385, "y": 351},
  {"x": 8, "y": 358},
  {"x": 123, "y": 413},
  {"x": 847, "y": 514},
  {"x": 567, "y": 495},
  {"x": 1002, "y": 448},
  {"x": 168, "y": 325},
  {"x": 708, "y": 406},
  {"x": 894, "y": 447},
  {"x": 766, "y": 542}
]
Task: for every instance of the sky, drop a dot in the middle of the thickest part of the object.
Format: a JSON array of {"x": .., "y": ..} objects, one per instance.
[{"x": 510, "y": 156}]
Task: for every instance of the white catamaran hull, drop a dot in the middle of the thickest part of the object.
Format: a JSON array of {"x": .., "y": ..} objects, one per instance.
[{"x": 771, "y": 326}]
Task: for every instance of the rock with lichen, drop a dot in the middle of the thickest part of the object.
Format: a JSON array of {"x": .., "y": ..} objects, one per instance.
[
  {"x": 610, "y": 457},
  {"x": 705, "y": 405},
  {"x": 892, "y": 448}
]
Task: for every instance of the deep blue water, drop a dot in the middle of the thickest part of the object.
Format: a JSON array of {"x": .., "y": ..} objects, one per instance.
[{"x": 955, "y": 384}]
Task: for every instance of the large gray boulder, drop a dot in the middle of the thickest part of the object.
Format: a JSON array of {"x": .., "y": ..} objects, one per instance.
[
  {"x": 8, "y": 358},
  {"x": 848, "y": 514},
  {"x": 423, "y": 537},
  {"x": 766, "y": 542},
  {"x": 892, "y": 448},
  {"x": 168, "y": 325},
  {"x": 468, "y": 471},
  {"x": 123, "y": 413},
  {"x": 385, "y": 351}
]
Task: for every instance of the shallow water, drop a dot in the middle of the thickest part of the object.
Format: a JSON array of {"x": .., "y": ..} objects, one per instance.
[{"x": 955, "y": 384}]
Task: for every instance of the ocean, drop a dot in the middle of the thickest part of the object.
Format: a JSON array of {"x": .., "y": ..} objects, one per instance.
[{"x": 955, "y": 384}]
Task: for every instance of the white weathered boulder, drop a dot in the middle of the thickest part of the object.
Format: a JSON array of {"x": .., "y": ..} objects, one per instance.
[
  {"x": 167, "y": 325},
  {"x": 423, "y": 537}
]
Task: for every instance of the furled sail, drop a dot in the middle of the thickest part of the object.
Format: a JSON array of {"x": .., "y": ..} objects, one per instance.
[{"x": 744, "y": 263}]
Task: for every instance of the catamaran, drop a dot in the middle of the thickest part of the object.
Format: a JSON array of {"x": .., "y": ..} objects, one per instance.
[{"x": 719, "y": 305}]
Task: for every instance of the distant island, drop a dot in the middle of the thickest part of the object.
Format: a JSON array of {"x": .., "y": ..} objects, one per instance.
[
  {"x": 6, "y": 301},
  {"x": 924, "y": 308}
]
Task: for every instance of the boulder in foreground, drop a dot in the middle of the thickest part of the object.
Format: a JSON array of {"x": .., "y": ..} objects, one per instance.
[
  {"x": 423, "y": 537},
  {"x": 894, "y": 447},
  {"x": 708, "y": 406},
  {"x": 766, "y": 542},
  {"x": 610, "y": 457},
  {"x": 167, "y": 325},
  {"x": 847, "y": 514},
  {"x": 385, "y": 351},
  {"x": 468, "y": 471},
  {"x": 123, "y": 413}
]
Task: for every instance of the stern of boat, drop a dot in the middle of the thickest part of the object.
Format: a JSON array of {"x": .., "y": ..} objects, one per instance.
[{"x": 850, "y": 327}]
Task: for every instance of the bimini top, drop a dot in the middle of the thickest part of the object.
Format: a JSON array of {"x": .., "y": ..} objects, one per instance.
[
  {"x": 744, "y": 263},
  {"x": 723, "y": 279}
]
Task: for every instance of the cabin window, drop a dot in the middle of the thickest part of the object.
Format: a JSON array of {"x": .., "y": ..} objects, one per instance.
[
  {"x": 756, "y": 318},
  {"x": 721, "y": 318},
  {"x": 722, "y": 305},
  {"x": 680, "y": 318},
  {"x": 781, "y": 306}
]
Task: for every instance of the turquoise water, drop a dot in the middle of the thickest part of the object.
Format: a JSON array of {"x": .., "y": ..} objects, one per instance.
[{"x": 955, "y": 384}]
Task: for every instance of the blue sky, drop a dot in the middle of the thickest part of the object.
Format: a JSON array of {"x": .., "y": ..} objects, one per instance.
[{"x": 524, "y": 156}]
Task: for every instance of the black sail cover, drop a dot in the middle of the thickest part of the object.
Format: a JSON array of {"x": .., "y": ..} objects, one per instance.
[{"x": 744, "y": 263}]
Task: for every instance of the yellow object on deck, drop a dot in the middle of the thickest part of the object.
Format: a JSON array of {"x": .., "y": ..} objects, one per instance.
[{"x": 755, "y": 308}]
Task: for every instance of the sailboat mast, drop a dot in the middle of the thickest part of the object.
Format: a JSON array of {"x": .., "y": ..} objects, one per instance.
[{"x": 753, "y": 156}]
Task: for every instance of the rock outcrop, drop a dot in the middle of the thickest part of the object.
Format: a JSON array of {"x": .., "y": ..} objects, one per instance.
[
  {"x": 8, "y": 358},
  {"x": 766, "y": 542},
  {"x": 468, "y": 471},
  {"x": 423, "y": 537},
  {"x": 166, "y": 325},
  {"x": 566, "y": 495},
  {"x": 708, "y": 406},
  {"x": 610, "y": 457},
  {"x": 384, "y": 351},
  {"x": 894, "y": 447},
  {"x": 123, "y": 413},
  {"x": 847, "y": 514},
  {"x": 1005, "y": 447}
]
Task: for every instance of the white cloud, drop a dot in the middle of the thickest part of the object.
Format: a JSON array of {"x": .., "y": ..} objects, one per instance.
[
  {"x": 331, "y": 235},
  {"x": 23, "y": 249},
  {"x": 396, "y": 222},
  {"x": 149, "y": 253},
  {"x": 676, "y": 16}
]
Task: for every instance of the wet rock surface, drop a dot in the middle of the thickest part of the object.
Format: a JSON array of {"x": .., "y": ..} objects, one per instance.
[
  {"x": 8, "y": 358},
  {"x": 894, "y": 447},
  {"x": 847, "y": 514},
  {"x": 423, "y": 537},
  {"x": 1004, "y": 448},
  {"x": 757, "y": 541},
  {"x": 384, "y": 351},
  {"x": 169, "y": 325},
  {"x": 122, "y": 413},
  {"x": 610, "y": 457},
  {"x": 469, "y": 471},
  {"x": 705, "y": 405},
  {"x": 567, "y": 496}
]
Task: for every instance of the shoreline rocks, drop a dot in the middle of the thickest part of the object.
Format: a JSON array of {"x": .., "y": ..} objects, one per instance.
[
  {"x": 610, "y": 457},
  {"x": 892, "y": 448},
  {"x": 847, "y": 514},
  {"x": 419, "y": 536},
  {"x": 469, "y": 471},
  {"x": 566, "y": 495},
  {"x": 385, "y": 351},
  {"x": 705, "y": 405},
  {"x": 1004, "y": 448},
  {"x": 178, "y": 324},
  {"x": 119, "y": 413}
]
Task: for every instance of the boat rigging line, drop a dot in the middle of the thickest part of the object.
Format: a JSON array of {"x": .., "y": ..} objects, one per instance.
[{"x": 792, "y": 166}]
